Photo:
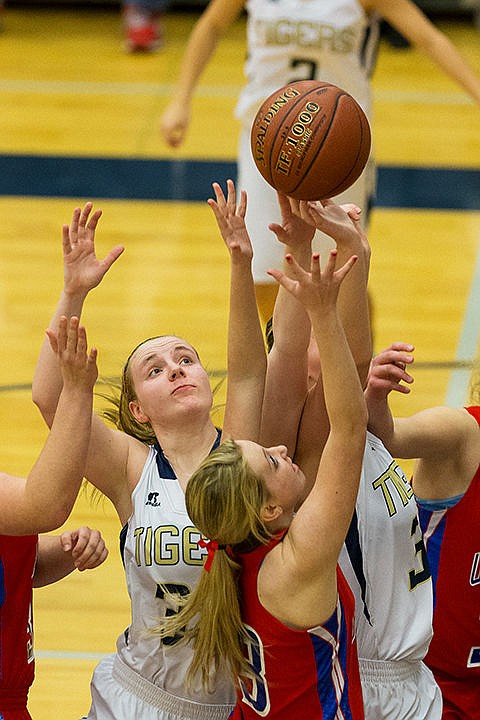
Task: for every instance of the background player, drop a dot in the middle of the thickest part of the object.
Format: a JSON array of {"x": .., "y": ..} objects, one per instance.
[{"x": 332, "y": 40}]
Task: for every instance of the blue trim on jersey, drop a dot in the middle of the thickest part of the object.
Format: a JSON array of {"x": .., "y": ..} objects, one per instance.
[
  {"x": 439, "y": 504},
  {"x": 166, "y": 471},
  {"x": 327, "y": 692},
  {"x": 433, "y": 543},
  {"x": 354, "y": 550}
]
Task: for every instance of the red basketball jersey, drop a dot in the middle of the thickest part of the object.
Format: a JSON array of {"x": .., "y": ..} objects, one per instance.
[
  {"x": 300, "y": 674},
  {"x": 452, "y": 539},
  {"x": 17, "y": 563}
]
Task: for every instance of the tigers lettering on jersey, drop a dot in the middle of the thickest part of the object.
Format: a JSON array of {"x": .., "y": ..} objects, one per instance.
[
  {"x": 394, "y": 484},
  {"x": 305, "y": 33},
  {"x": 167, "y": 545}
]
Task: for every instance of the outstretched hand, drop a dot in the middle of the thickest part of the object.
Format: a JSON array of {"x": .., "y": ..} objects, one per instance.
[
  {"x": 82, "y": 269},
  {"x": 388, "y": 371},
  {"x": 295, "y": 231},
  {"x": 231, "y": 220},
  {"x": 69, "y": 343},
  {"x": 340, "y": 222},
  {"x": 316, "y": 287}
]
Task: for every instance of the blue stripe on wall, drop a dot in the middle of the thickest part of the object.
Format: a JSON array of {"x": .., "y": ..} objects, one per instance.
[{"x": 190, "y": 180}]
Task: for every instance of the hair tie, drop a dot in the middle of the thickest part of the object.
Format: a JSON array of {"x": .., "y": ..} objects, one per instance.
[{"x": 212, "y": 546}]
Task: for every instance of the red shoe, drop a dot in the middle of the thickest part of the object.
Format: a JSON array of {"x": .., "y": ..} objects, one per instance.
[{"x": 142, "y": 29}]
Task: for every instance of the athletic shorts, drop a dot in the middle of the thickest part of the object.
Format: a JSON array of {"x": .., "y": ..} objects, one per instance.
[
  {"x": 119, "y": 693},
  {"x": 399, "y": 690},
  {"x": 262, "y": 209}
]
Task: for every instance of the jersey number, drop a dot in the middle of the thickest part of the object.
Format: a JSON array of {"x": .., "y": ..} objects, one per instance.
[
  {"x": 308, "y": 69},
  {"x": 166, "y": 590},
  {"x": 257, "y": 694},
  {"x": 420, "y": 576}
]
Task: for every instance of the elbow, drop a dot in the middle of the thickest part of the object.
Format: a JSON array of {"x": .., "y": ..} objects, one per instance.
[
  {"x": 55, "y": 515},
  {"x": 47, "y": 412}
]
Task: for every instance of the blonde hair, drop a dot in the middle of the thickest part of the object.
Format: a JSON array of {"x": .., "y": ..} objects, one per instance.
[
  {"x": 224, "y": 498},
  {"x": 122, "y": 393}
]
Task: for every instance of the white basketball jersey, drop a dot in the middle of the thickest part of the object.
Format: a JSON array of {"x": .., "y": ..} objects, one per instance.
[
  {"x": 385, "y": 563},
  {"x": 288, "y": 40},
  {"x": 160, "y": 551}
]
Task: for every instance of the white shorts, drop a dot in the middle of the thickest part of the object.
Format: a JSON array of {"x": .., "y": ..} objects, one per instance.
[
  {"x": 399, "y": 690},
  {"x": 262, "y": 209},
  {"x": 119, "y": 693}
]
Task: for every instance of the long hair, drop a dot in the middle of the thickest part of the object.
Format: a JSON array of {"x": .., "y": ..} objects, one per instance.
[
  {"x": 120, "y": 396},
  {"x": 224, "y": 498}
]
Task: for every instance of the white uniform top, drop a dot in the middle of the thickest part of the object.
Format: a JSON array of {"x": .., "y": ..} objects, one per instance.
[
  {"x": 287, "y": 40},
  {"x": 160, "y": 549},
  {"x": 384, "y": 562}
]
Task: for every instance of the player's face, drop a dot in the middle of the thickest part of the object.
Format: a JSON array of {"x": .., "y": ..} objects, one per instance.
[
  {"x": 167, "y": 375},
  {"x": 284, "y": 480}
]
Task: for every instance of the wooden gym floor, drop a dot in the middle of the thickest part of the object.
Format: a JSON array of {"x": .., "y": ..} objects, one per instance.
[{"x": 79, "y": 120}]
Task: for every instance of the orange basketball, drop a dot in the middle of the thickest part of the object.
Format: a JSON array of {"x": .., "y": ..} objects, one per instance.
[{"x": 310, "y": 140}]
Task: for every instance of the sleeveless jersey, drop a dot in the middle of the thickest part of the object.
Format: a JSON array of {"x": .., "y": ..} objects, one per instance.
[
  {"x": 162, "y": 559},
  {"x": 300, "y": 673},
  {"x": 287, "y": 40},
  {"x": 17, "y": 565},
  {"x": 385, "y": 564},
  {"x": 452, "y": 538}
]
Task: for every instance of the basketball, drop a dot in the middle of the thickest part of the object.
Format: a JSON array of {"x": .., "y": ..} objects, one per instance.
[{"x": 310, "y": 140}]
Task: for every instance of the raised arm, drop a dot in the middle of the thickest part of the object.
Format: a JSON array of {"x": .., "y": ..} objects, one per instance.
[
  {"x": 202, "y": 43},
  {"x": 287, "y": 378},
  {"x": 314, "y": 539},
  {"x": 108, "y": 455},
  {"x": 445, "y": 441},
  {"x": 388, "y": 373},
  {"x": 342, "y": 223},
  {"x": 413, "y": 24},
  {"x": 82, "y": 272},
  {"x": 43, "y": 501},
  {"x": 436, "y": 435},
  {"x": 246, "y": 360}
]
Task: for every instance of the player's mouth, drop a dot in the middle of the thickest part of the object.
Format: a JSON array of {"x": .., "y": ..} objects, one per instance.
[{"x": 185, "y": 386}]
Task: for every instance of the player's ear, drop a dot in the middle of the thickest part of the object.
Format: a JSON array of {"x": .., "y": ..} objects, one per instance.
[
  {"x": 270, "y": 512},
  {"x": 137, "y": 412}
]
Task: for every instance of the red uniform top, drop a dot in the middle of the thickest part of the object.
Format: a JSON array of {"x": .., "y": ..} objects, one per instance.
[
  {"x": 17, "y": 667},
  {"x": 301, "y": 674},
  {"x": 452, "y": 539}
]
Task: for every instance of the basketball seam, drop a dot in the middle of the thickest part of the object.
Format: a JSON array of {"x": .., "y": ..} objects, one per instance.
[
  {"x": 325, "y": 136},
  {"x": 298, "y": 100}
]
